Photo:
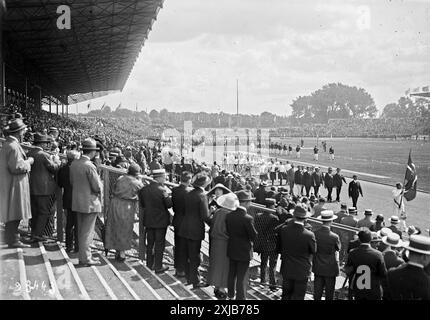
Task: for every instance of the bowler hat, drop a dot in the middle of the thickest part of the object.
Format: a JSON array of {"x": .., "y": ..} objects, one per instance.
[
  {"x": 15, "y": 126},
  {"x": 89, "y": 145},
  {"x": 393, "y": 240},
  {"x": 418, "y": 243},
  {"x": 244, "y": 195},
  {"x": 40, "y": 138},
  {"x": 300, "y": 212},
  {"x": 327, "y": 215},
  {"x": 379, "y": 217},
  {"x": 228, "y": 201}
]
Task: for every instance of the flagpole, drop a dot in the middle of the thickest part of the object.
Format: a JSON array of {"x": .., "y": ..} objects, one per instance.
[{"x": 404, "y": 180}]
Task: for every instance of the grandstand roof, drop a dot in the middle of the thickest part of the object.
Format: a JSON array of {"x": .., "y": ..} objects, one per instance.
[{"x": 93, "y": 58}]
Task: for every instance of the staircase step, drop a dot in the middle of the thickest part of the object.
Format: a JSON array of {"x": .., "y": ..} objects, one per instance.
[
  {"x": 10, "y": 286},
  {"x": 159, "y": 286},
  {"x": 37, "y": 275}
]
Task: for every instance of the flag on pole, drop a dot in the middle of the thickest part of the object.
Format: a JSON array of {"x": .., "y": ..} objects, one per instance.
[
  {"x": 119, "y": 107},
  {"x": 411, "y": 179}
]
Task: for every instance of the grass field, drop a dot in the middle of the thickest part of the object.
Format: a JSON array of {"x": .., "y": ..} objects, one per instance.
[{"x": 375, "y": 156}]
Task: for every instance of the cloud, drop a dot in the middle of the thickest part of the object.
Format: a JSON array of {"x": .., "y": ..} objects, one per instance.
[{"x": 278, "y": 50}]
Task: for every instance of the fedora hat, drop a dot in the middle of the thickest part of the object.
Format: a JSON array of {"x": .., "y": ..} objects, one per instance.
[
  {"x": 89, "y": 145},
  {"x": 327, "y": 215},
  {"x": 394, "y": 219},
  {"x": 244, "y": 195},
  {"x": 300, "y": 212},
  {"x": 418, "y": 243},
  {"x": 393, "y": 240},
  {"x": 15, "y": 126},
  {"x": 40, "y": 138},
  {"x": 384, "y": 232},
  {"x": 219, "y": 186},
  {"x": 201, "y": 180},
  {"x": 228, "y": 201},
  {"x": 270, "y": 202},
  {"x": 379, "y": 217}
]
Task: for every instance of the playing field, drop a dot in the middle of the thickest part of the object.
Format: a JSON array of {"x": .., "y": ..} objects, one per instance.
[{"x": 375, "y": 157}]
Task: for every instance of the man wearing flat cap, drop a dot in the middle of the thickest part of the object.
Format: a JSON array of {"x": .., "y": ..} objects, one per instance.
[
  {"x": 298, "y": 246},
  {"x": 155, "y": 202},
  {"x": 326, "y": 260},
  {"x": 15, "y": 168},
  {"x": 192, "y": 228},
  {"x": 86, "y": 198},
  {"x": 42, "y": 185},
  {"x": 409, "y": 281},
  {"x": 367, "y": 267}
]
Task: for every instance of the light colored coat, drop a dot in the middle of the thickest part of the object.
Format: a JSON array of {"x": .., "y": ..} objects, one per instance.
[
  {"x": 86, "y": 186},
  {"x": 14, "y": 182}
]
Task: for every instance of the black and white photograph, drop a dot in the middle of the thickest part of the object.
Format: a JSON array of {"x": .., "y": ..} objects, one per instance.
[{"x": 215, "y": 156}]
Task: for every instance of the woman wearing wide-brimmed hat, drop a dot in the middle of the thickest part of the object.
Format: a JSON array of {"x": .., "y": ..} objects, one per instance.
[
  {"x": 122, "y": 208},
  {"x": 213, "y": 194},
  {"x": 218, "y": 260}
]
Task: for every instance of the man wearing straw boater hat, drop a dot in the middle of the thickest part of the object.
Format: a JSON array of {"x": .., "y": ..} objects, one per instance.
[
  {"x": 410, "y": 281},
  {"x": 367, "y": 220},
  {"x": 86, "y": 198},
  {"x": 298, "y": 245},
  {"x": 155, "y": 202},
  {"x": 42, "y": 185},
  {"x": 193, "y": 225},
  {"x": 326, "y": 260},
  {"x": 14, "y": 186},
  {"x": 394, "y": 220}
]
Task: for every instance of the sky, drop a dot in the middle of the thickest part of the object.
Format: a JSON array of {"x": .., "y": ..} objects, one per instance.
[{"x": 277, "y": 50}]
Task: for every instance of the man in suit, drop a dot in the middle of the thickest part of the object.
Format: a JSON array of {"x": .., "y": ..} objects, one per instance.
[
  {"x": 367, "y": 267},
  {"x": 318, "y": 208},
  {"x": 290, "y": 178},
  {"x": 298, "y": 181},
  {"x": 409, "y": 281},
  {"x": 350, "y": 219},
  {"x": 329, "y": 183},
  {"x": 42, "y": 185},
  {"x": 298, "y": 245},
  {"x": 307, "y": 180},
  {"x": 367, "y": 221},
  {"x": 261, "y": 193},
  {"x": 265, "y": 243},
  {"x": 86, "y": 192},
  {"x": 394, "y": 220},
  {"x": 155, "y": 202},
  {"x": 338, "y": 180},
  {"x": 326, "y": 260},
  {"x": 317, "y": 180},
  {"x": 178, "y": 201},
  {"x": 15, "y": 168},
  {"x": 241, "y": 232},
  {"x": 272, "y": 193},
  {"x": 193, "y": 225},
  {"x": 342, "y": 213},
  {"x": 354, "y": 190}
]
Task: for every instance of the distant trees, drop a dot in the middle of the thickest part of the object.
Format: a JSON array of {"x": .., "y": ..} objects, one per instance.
[
  {"x": 334, "y": 100},
  {"x": 406, "y": 107}
]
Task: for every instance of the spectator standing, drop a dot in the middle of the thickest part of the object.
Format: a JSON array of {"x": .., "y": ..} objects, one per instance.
[
  {"x": 367, "y": 221},
  {"x": 42, "y": 185},
  {"x": 326, "y": 260},
  {"x": 86, "y": 201},
  {"x": 241, "y": 234},
  {"x": 14, "y": 187},
  {"x": 155, "y": 202},
  {"x": 298, "y": 245}
]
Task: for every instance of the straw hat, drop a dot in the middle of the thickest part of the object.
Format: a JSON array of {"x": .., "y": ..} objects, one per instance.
[
  {"x": 418, "y": 243},
  {"x": 219, "y": 186},
  {"x": 384, "y": 232},
  {"x": 228, "y": 201},
  {"x": 393, "y": 240},
  {"x": 15, "y": 126},
  {"x": 327, "y": 215}
]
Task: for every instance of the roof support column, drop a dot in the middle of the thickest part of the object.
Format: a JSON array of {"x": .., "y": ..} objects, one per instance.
[
  {"x": 2, "y": 64},
  {"x": 50, "y": 110},
  {"x": 57, "y": 106},
  {"x": 62, "y": 109}
]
